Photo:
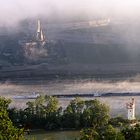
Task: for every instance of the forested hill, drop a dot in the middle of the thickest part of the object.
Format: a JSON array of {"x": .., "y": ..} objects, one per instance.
[{"x": 70, "y": 43}]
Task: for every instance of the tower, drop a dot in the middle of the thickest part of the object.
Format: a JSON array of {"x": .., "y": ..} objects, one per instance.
[
  {"x": 40, "y": 37},
  {"x": 131, "y": 109}
]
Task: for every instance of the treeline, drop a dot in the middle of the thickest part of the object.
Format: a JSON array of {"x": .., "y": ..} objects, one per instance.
[
  {"x": 45, "y": 113},
  {"x": 89, "y": 116}
]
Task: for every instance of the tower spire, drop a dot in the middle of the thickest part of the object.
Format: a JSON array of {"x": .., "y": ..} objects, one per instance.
[
  {"x": 38, "y": 26},
  {"x": 39, "y": 34}
]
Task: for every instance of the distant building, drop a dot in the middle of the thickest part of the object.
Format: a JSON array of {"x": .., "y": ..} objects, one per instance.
[
  {"x": 131, "y": 109},
  {"x": 40, "y": 37},
  {"x": 32, "y": 47},
  {"x": 38, "y": 40}
]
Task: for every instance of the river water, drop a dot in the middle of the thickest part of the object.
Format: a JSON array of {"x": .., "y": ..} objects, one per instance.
[
  {"x": 75, "y": 86},
  {"x": 58, "y": 135}
]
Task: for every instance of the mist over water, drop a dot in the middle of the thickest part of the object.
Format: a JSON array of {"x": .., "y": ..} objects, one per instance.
[
  {"x": 117, "y": 104},
  {"x": 69, "y": 86}
]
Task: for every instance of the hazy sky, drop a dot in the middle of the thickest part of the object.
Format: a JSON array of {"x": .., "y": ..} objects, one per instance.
[{"x": 15, "y": 10}]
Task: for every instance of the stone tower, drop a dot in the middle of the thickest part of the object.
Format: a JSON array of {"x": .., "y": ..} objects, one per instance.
[{"x": 131, "y": 109}]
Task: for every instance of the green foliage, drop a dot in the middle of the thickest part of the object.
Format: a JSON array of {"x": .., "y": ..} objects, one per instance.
[
  {"x": 52, "y": 104},
  {"x": 42, "y": 106},
  {"x": 89, "y": 134},
  {"x": 4, "y": 103},
  {"x": 110, "y": 133},
  {"x": 7, "y": 130},
  {"x": 132, "y": 133},
  {"x": 85, "y": 114},
  {"x": 95, "y": 113},
  {"x": 118, "y": 121},
  {"x": 73, "y": 113},
  {"x": 44, "y": 113},
  {"x": 104, "y": 133}
]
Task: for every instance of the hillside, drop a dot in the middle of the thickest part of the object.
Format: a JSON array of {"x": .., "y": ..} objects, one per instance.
[{"x": 73, "y": 44}]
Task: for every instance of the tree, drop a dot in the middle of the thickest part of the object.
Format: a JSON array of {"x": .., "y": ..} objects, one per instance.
[
  {"x": 73, "y": 113},
  {"x": 110, "y": 133},
  {"x": 30, "y": 108},
  {"x": 39, "y": 106},
  {"x": 43, "y": 112},
  {"x": 105, "y": 133},
  {"x": 76, "y": 106},
  {"x": 4, "y": 103},
  {"x": 51, "y": 105},
  {"x": 118, "y": 121},
  {"x": 7, "y": 130},
  {"x": 95, "y": 114},
  {"x": 51, "y": 109},
  {"x": 89, "y": 134},
  {"x": 132, "y": 132}
]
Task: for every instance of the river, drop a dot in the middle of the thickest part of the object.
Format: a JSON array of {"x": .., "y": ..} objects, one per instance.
[
  {"x": 58, "y": 135},
  {"x": 73, "y": 86}
]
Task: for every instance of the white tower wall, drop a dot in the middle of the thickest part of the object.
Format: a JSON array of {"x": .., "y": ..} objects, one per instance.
[{"x": 131, "y": 110}]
